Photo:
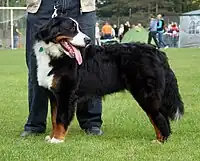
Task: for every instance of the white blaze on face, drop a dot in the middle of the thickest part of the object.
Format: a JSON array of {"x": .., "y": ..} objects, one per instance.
[{"x": 78, "y": 40}]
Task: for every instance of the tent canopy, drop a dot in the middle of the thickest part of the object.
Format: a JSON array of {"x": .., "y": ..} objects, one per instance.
[
  {"x": 190, "y": 29},
  {"x": 136, "y": 34},
  {"x": 195, "y": 12}
]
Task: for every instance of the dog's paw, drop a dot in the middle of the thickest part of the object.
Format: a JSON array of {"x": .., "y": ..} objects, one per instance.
[
  {"x": 55, "y": 141},
  {"x": 156, "y": 142},
  {"x": 47, "y": 138}
]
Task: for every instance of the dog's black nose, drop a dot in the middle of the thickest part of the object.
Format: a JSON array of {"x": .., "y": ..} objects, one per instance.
[{"x": 87, "y": 40}]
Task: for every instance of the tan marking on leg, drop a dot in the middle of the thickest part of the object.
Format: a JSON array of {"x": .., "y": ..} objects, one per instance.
[
  {"x": 55, "y": 82},
  {"x": 159, "y": 136},
  {"x": 53, "y": 107},
  {"x": 53, "y": 117},
  {"x": 60, "y": 131}
]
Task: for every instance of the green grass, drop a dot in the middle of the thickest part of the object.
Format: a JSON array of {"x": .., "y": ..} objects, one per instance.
[{"x": 127, "y": 130}]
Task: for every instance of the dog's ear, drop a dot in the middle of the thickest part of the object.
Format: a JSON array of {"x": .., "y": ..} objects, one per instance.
[
  {"x": 47, "y": 31},
  {"x": 42, "y": 33}
]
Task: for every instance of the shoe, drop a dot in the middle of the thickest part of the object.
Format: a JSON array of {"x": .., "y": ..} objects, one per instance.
[
  {"x": 94, "y": 131},
  {"x": 166, "y": 47},
  {"x": 29, "y": 133}
]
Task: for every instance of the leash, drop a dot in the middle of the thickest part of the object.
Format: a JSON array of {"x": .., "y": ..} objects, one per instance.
[
  {"x": 60, "y": 8},
  {"x": 55, "y": 14},
  {"x": 56, "y": 8}
]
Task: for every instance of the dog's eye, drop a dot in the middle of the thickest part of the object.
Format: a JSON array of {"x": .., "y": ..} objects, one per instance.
[{"x": 73, "y": 29}]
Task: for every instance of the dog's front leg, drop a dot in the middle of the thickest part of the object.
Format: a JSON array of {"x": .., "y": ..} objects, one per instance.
[
  {"x": 64, "y": 115},
  {"x": 53, "y": 103}
]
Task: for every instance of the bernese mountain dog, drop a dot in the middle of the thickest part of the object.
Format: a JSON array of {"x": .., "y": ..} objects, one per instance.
[{"x": 73, "y": 70}]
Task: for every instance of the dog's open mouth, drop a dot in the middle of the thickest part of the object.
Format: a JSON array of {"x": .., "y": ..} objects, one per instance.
[{"x": 72, "y": 50}]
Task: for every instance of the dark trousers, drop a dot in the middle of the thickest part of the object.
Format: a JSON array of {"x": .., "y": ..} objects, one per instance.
[
  {"x": 107, "y": 36},
  {"x": 152, "y": 34},
  {"x": 88, "y": 113}
]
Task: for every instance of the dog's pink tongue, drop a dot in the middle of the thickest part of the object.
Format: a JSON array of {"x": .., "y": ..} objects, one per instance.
[{"x": 77, "y": 55}]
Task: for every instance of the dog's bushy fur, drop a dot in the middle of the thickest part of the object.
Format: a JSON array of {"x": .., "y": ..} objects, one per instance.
[{"x": 139, "y": 68}]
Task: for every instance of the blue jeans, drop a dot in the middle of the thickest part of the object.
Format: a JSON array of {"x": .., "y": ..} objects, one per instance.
[
  {"x": 15, "y": 41},
  {"x": 160, "y": 40},
  {"x": 90, "y": 113}
]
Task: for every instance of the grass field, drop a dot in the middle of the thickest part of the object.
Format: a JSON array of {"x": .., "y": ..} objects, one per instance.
[{"x": 127, "y": 130}]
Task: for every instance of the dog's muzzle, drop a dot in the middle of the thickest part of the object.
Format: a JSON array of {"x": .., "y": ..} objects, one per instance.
[{"x": 87, "y": 40}]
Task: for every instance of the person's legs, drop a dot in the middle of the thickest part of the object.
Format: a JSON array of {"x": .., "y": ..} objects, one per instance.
[
  {"x": 89, "y": 112},
  {"x": 175, "y": 40},
  {"x": 97, "y": 41},
  {"x": 15, "y": 42},
  {"x": 37, "y": 96},
  {"x": 161, "y": 41},
  {"x": 149, "y": 37},
  {"x": 155, "y": 39},
  {"x": 120, "y": 38},
  {"x": 90, "y": 115}
]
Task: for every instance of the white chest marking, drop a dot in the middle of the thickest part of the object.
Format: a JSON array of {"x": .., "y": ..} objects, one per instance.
[
  {"x": 43, "y": 70},
  {"x": 43, "y": 60},
  {"x": 43, "y": 67}
]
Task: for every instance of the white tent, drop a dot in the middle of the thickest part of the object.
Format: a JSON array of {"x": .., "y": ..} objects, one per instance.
[{"x": 190, "y": 29}]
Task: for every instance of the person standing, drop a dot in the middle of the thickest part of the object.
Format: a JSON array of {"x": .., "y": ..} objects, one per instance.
[
  {"x": 16, "y": 36},
  {"x": 40, "y": 11},
  {"x": 121, "y": 32},
  {"x": 107, "y": 31},
  {"x": 174, "y": 34},
  {"x": 127, "y": 27},
  {"x": 97, "y": 35},
  {"x": 116, "y": 30},
  {"x": 153, "y": 31},
  {"x": 161, "y": 30}
]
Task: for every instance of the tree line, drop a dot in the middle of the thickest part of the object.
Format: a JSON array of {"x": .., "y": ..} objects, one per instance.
[
  {"x": 127, "y": 7},
  {"x": 131, "y": 9},
  {"x": 108, "y": 8}
]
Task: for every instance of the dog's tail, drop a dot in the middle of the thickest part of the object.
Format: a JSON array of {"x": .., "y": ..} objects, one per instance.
[
  {"x": 173, "y": 105},
  {"x": 172, "y": 101}
]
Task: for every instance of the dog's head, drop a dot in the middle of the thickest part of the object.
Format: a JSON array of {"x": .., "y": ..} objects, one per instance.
[{"x": 65, "y": 33}]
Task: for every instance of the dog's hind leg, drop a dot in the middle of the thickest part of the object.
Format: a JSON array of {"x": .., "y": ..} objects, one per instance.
[{"x": 151, "y": 104}]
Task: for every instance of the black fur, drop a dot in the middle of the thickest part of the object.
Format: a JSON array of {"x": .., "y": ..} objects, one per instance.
[{"x": 139, "y": 68}]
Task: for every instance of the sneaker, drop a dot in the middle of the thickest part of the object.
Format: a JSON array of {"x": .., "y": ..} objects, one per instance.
[
  {"x": 166, "y": 47},
  {"x": 30, "y": 133},
  {"x": 94, "y": 131}
]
